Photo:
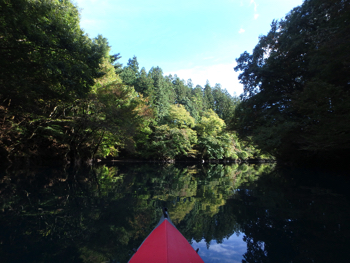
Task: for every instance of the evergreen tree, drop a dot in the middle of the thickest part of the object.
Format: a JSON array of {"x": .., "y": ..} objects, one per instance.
[
  {"x": 130, "y": 73},
  {"x": 181, "y": 90},
  {"x": 117, "y": 66},
  {"x": 208, "y": 98},
  {"x": 144, "y": 84},
  {"x": 133, "y": 64},
  {"x": 224, "y": 103},
  {"x": 189, "y": 83},
  {"x": 163, "y": 93}
]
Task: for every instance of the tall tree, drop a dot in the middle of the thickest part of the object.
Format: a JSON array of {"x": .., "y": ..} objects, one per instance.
[
  {"x": 144, "y": 84},
  {"x": 224, "y": 103},
  {"x": 47, "y": 64},
  {"x": 208, "y": 97},
  {"x": 175, "y": 138},
  {"x": 213, "y": 141},
  {"x": 163, "y": 92},
  {"x": 296, "y": 89},
  {"x": 117, "y": 66},
  {"x": 130, "y": 72},
  {"x": 181, "y": 90},
  {"x": 197, "y": 100},
  {"x": 44, "y": 54}
]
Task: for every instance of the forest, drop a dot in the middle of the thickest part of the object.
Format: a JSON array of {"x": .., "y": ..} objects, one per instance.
[{"x": 65, "y": 98}]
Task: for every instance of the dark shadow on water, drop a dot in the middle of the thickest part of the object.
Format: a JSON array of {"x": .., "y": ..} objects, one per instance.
[{"x": 99, "y": 214}]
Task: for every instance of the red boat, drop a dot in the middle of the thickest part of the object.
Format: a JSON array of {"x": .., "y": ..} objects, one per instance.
[{"x": 165, "y": 244}]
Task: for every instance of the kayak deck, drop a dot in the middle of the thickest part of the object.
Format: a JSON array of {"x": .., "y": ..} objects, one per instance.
[{"x": 166, "y": 244}]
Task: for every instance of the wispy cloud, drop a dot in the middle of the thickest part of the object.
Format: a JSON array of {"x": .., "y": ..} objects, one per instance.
[
  {"x": 241, "y": 31},
  {"x": 256, "y": 15},
  {"x": 255, "y": 5}
]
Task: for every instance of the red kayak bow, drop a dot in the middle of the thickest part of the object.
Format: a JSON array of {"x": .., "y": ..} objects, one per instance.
[{"x": 165, "y": 244}]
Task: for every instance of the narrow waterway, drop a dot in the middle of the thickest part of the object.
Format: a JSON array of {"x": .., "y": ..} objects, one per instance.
[{"x": 232, "y": 213}]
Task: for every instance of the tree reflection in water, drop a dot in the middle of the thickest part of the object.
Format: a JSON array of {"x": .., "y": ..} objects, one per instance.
[{"x": 101, "y": 213}]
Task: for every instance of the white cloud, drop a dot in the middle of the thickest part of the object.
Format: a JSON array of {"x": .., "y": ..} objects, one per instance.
[
  {"x": 219, "y": 73},
  {"x": 256, "y": 15},
  {"x": 255, "y": 5},
  {"x": 229, "y": 251},
  {"x": 241, "y": 31}
]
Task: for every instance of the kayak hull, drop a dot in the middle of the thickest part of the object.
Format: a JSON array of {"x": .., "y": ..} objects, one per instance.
[{"x": 166, "y": 244}]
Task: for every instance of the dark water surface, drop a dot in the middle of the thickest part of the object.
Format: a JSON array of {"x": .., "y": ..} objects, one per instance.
[{"x": 233, "y": 213}]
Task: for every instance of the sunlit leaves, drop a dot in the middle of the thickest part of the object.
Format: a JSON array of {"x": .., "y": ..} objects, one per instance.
[
  {"x": 168, "y": 143},
  {"x": 210, "y": 124},
  {"x": 179, "y": 117}
]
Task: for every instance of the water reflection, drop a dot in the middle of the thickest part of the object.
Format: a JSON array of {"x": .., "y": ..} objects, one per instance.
[
  {"x": 231, "y": 250},
  {"x": 245, "y": 213}
]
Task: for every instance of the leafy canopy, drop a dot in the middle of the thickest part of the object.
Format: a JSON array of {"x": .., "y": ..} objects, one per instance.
[{"x": 296, "y": 85}]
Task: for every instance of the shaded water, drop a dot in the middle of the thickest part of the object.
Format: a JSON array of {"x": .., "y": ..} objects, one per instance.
[{"x": 245, "y": 213}]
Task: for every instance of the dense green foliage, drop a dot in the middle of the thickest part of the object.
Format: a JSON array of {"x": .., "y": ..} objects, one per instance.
[
  {"x": 296, "y": 97},
  {"x": 187, "y": 122},
  {"x": 44, "y": 54},
  {"x": 60, "y": 96},
  {"x": 65, "y": 98}
]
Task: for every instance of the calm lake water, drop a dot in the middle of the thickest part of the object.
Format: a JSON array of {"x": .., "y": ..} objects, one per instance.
[{"x": 232, "y": 213}]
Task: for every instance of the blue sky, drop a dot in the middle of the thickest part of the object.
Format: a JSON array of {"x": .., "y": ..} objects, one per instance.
[
  {"x": 231, "y": 250},
  {"x": 197, "y": 39}
]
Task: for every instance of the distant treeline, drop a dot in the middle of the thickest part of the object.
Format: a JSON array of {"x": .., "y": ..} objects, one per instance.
[{"x": 65, "y": 98}]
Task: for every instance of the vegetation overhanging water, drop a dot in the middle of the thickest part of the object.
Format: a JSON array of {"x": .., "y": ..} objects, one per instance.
[{"x": 65, "y": 98}]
